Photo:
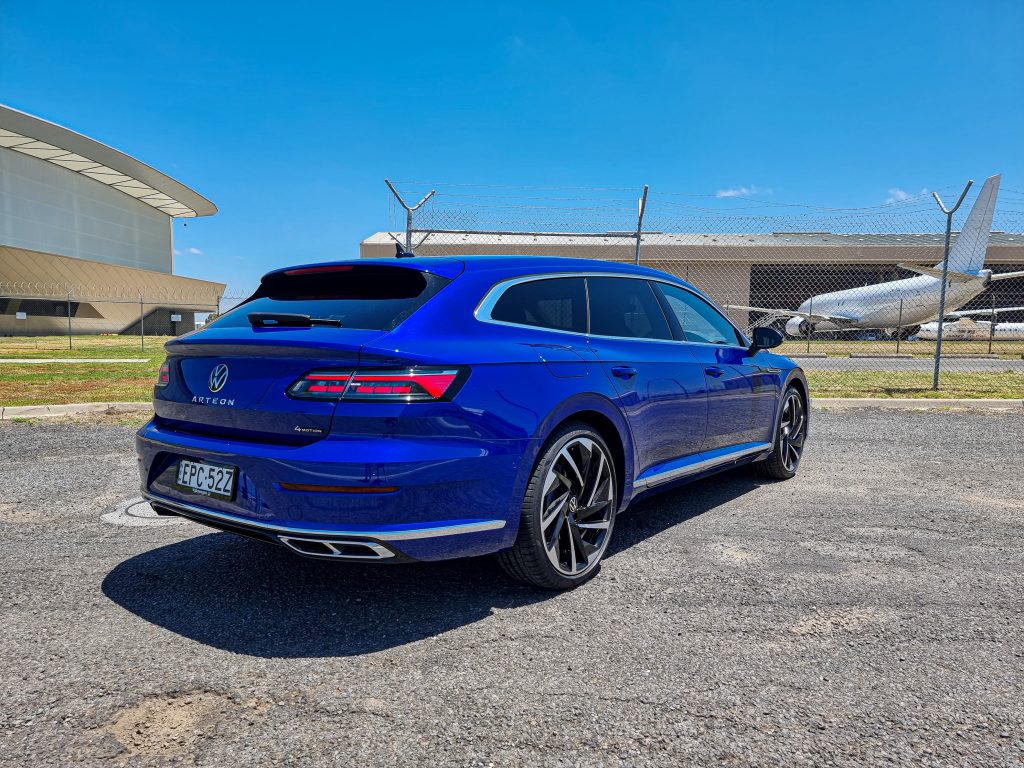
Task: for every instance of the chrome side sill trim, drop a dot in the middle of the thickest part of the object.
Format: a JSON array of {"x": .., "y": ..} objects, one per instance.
[
  {"x": 406, "y": 535},
  {"x": 699, "y": 466}
]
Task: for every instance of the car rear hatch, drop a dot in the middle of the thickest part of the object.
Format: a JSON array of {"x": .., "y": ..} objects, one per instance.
[{"x": 232, "y": 378}]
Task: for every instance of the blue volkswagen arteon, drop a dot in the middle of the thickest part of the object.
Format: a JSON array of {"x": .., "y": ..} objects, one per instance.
[{"x": 430, "y": 408}]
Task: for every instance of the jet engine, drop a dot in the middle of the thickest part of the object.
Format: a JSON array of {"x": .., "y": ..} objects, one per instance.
[{"x": 798, "y": 327}]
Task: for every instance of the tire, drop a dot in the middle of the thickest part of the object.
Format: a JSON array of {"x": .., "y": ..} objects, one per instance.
[
  {"x": 570, "y": 500},
  {"x": 790, "y": 437}
]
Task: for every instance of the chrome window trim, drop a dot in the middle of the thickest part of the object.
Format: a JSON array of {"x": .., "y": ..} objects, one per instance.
[{"x": 482, "y": 313}]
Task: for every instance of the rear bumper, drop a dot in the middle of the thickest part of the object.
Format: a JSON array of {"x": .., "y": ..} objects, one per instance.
[
  {"x": 359, "y": 544},
  {"x": 454, "y": 497}
]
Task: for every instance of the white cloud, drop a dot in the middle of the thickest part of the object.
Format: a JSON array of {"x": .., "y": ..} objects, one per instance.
[
  {"x": 177, "y": 252},
  {"x": 897, "y": 195},
  {"x": 195, "y": 251},
  {"x": 742, "y": 191}
]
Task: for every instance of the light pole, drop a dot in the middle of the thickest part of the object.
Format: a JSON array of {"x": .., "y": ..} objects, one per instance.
[{"x": 945, "y": 272}]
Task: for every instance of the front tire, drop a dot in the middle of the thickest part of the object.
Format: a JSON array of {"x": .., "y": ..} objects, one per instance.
[
  {"x": 790, "y": 436},
  {"x": 568, "y": 512}
]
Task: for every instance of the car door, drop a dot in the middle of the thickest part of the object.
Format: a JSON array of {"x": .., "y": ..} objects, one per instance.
[
  {"x": 659, "y": 382},
  {"x": 742, "y": 390}
]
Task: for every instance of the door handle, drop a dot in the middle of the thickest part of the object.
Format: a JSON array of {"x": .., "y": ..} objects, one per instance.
[
  {"x": 714, "y": 370},
  {"x": 623, "y": 371}
]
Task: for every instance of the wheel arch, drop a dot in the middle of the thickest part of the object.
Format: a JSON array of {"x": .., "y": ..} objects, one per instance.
[
  {"x": 603, "y": 417},
  {"x": 798, "y": 381}
]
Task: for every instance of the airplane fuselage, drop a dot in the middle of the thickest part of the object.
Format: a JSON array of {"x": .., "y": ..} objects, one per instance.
[
  {"x": 980, "y": 330},
  {"x": 896, "y": 304}
]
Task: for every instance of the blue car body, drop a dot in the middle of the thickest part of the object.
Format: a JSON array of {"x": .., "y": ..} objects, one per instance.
[{"x": 444, "y": 478}]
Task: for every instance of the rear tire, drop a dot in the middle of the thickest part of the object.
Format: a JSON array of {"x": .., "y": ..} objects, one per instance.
[
  {"x": 790, "y": 436},
  {"x": 568, "y": 512}
]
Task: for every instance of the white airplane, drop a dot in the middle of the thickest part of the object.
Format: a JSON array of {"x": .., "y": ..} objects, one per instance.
[
  {"x": 965, "y": 328},
  {"x": 911, "y": 302}
]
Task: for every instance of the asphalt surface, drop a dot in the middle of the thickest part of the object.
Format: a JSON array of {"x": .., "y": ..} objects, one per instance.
[{"x": 869, "y": 612}]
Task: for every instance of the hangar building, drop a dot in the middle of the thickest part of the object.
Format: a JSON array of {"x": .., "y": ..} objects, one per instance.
[
  {"x": 776, "y": 269},
  {"x": 85, "y": 230}
]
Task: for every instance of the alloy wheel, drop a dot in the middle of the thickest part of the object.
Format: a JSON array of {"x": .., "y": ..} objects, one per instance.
[
  {"x": 792, "y": 431},
  {"x": 577, "y": 506}
]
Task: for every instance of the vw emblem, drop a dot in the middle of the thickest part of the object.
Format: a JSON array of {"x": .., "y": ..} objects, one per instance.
[{"x": 218, "y": 378}]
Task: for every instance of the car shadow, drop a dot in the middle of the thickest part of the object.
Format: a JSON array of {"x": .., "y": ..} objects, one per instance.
[{"x": 252, "y": 598}]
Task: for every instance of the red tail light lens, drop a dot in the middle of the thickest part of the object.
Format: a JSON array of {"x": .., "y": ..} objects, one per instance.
[
  {"x": 164, "y": 377},
  {"x": 412, "y": 384},
  {"x": 403, "y": 385},
  {"x": 321, "y": 385}
]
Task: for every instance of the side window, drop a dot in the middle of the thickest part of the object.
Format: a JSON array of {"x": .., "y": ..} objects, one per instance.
[
  {"x": 699, "y": 320},
  {"x": 620, "y": 306},
  {"x": 559, "y": 303}
]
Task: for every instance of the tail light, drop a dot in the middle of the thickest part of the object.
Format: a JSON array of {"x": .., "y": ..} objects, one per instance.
[
  {"x": 164, "y": 377},
  {"x": 416, "y": 384}
]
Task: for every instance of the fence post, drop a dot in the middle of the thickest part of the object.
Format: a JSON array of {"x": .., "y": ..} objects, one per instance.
[
  {"x": 69, "y": 320},
  {"x": 142, "y": 323},
  {"x": 992, "y": 323},
  {"x": 945, "y": 273},
  {"x": 810, "y": 312},
  {"x": 408, "y": 214},
  {"x": 641, "y": 207}
]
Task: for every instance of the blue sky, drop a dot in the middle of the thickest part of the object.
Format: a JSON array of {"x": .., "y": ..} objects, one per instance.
[{"x": 289, "y": 116}]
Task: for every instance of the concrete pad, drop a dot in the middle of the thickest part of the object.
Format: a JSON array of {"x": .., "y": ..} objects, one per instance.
[
  {"x": 918, "y": 403},
  {"x": 882, "y": 356}
]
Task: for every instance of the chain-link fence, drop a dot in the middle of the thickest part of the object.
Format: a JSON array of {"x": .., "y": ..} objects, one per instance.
[
  {"x": 58, "y": 317},
  {"x": 855, "y": 291}
]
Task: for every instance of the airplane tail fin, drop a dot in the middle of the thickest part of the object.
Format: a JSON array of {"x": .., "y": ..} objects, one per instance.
[{"x": 968, "y": 252}]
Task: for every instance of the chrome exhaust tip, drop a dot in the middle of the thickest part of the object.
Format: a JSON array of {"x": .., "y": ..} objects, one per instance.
[{"x": 336, "y": 549}]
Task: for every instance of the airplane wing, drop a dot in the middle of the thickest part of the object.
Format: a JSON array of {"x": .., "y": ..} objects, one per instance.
[
  {"x": 952, "y": 276},
  {"x": 815, "y": 317},
  {"x": 983, "y": 313},
  {"x": 1005, "y": 275}
]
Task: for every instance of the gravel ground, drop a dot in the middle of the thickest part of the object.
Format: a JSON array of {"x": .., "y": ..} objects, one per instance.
[{"x": 868, "y": 612}]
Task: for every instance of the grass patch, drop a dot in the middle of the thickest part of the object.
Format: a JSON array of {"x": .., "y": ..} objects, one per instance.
[
  {"x": 1000, "y": 385},
  {"x": 1010, "y": 350},
  {"x": 29, "y": 347},
  {"x": 59, "y": 383}
]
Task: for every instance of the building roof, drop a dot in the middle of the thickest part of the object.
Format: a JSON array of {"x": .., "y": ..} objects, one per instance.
[
  {"x": 61, "y": 146},
  {"x": 776, "y": 247}
]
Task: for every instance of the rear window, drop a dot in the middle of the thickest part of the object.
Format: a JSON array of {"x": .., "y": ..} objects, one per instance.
[
  {"x": 359, "y": 296},
  {"x": 559, "y": 303},
  {"x": 625, "y": 307}
]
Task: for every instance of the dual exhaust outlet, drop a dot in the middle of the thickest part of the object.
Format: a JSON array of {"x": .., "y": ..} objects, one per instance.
[{"x": 342, "y": 549}]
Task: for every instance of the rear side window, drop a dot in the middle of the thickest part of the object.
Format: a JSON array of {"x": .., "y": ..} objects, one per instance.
[
  {"x": 368, "y": 296},
  {"x": 625, "y": 307},
  {"x": 559, "y": 303}
]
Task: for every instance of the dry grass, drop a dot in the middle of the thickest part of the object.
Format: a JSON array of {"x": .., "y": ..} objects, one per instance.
[
  {"x": 82, "y": 346},
  {"x": 1002, "y": 384},
  {"x": 1011, "y": 350}
]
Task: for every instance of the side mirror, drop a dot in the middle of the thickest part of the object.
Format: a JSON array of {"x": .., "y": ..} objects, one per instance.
[{"x": 766, "y": 338}]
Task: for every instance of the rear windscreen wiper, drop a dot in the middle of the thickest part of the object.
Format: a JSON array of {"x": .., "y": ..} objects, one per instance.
[{"x": 286, "y": 320}]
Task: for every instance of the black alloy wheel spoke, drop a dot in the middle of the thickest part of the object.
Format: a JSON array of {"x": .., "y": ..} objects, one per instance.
[{"x": 577, "y": 506}]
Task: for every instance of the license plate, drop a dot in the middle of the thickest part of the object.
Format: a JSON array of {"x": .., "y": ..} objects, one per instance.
[{"x": 207, "y": 479}]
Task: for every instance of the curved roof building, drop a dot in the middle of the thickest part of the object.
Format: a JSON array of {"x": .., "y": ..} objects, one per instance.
[{"x": 79, "y": 217}]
